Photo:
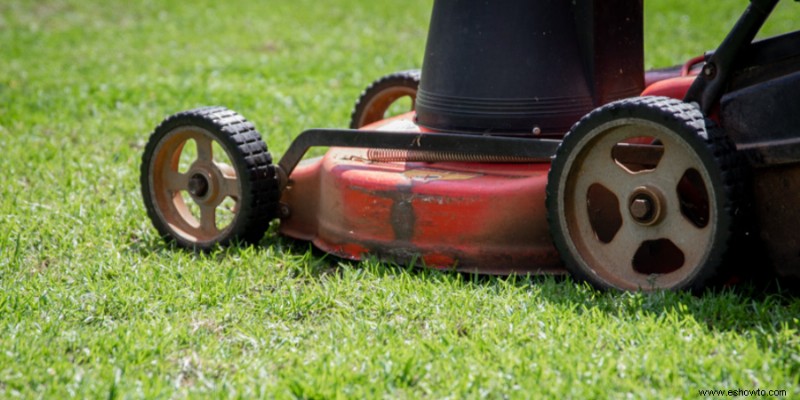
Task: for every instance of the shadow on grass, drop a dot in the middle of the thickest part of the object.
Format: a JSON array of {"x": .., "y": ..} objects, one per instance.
[
  {"x": 758, "y": 308},
  {"x": 755, "y": 306}
]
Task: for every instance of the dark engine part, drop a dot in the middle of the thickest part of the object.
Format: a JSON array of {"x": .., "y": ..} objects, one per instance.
[
  {"x": 760, "y": 110},
  {"x": 525, "y": 65}
]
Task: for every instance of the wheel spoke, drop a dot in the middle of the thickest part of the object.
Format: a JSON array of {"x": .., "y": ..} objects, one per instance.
[
  {"x": 605, "y": 172},
  {"x": 175, "y": 181},
  {"x": 619, "y": 252},
  {"x": 204, "y": 148},
  {"x": 690, "y": 239},
  {"x": 208, "y": 219},
  {"x": 674, "y": 163},
  {"x": 229, "y": 183},
  {"x": 230, "y": 188}
]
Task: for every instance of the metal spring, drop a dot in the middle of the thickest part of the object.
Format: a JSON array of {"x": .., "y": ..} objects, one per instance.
[{"x": 389, "y": 155}]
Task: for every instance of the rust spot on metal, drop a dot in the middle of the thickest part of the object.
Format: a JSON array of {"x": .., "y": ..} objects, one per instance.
[{"x": 402, "y": 214}]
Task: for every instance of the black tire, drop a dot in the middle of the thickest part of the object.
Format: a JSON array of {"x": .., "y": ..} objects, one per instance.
[
  {"x": 376, "y": 99},
  {"x": 720, "y": 170},
  {"x": 254, "y": 186}
]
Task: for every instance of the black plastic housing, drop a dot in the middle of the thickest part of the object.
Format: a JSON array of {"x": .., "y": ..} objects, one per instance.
[{"x": 510, "y": 67}]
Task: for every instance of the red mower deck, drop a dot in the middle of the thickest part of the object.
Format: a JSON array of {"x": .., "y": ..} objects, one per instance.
[{"x": 462, "y": 216}]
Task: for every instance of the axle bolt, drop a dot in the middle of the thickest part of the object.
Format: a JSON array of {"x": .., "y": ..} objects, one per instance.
[{"x": 642, "y": 209}]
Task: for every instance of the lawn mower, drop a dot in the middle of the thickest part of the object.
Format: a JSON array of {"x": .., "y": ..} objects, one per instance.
[{"x": 536, "y": 143}]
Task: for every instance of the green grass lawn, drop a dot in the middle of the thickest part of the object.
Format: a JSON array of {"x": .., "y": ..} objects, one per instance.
[{"x": 93, "y": 304}]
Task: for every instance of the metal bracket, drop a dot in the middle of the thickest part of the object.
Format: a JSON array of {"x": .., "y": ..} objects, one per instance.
[
  {"x": 708, "y": 87},
  {"x": 532, "y": 148}
]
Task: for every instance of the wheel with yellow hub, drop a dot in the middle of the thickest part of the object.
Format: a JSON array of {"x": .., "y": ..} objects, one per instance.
[
  {"x": 643, "y": 195},
  {"x": 207, "y": 179}
]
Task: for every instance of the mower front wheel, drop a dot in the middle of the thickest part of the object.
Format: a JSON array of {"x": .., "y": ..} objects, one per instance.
[
  {"x": 643, "y": 195},
  {"x": 207, "y": 179}
]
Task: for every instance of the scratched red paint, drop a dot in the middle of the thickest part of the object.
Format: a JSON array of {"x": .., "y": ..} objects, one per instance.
[{"x": 468, "y": 216}]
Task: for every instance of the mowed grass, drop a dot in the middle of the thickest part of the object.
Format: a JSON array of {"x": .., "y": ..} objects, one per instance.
[{"x": 94, "y": 304}]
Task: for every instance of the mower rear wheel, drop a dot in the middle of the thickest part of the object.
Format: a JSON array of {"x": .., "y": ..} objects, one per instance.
[
  {"x": 379, "y": 96},
  {"x": 642, "y": 195},
  {"x": 207, "y": 179}
]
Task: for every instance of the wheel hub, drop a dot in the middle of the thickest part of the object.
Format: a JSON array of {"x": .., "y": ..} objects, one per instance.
[
  {"x": 645, "y": 206},
  {"x": 198, "y": 185},
  {"x": 205, "y": 184}
]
